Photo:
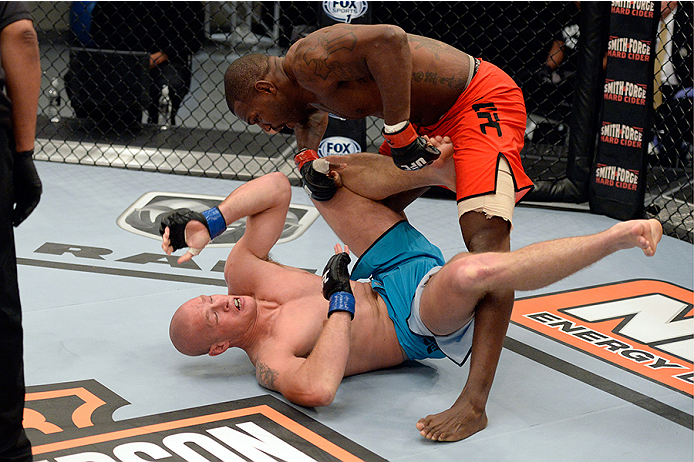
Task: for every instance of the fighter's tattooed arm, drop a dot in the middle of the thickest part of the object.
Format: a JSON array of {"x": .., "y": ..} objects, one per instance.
[
  {"x": 439, "y": 52},
  {"x": 266, "y": 376},
  {"x": 322, "y": 55}
]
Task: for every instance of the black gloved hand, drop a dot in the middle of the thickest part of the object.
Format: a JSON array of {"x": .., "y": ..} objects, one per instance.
[
  {"x": 27, "y": 186},
  {"x": 336, "y": 275},
  {"x": 416, "y": 155},
  {"x": 336, "y": 286},
  {"x": 409, "y": 150},
  {"x": 176, "y": 221},
  {"x": 317, "y": 184}
]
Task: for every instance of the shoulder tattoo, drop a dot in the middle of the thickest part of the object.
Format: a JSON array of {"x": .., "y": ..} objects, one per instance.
[
  {"x": 440, "y": 52},
  {"x": 319, "y": 54},
  {"x": 266, "y": 376}
]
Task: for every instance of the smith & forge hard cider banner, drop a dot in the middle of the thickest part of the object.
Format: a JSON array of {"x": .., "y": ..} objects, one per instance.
[{"x": 618, "y": 182}]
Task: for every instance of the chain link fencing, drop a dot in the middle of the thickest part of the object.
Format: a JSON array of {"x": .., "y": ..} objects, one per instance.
[
  {"x": 669, "y": 193},
  {"x": 187, "y": 128}
]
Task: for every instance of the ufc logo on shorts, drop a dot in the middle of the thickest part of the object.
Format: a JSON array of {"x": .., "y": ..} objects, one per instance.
[{"x": 490, "y": 114}]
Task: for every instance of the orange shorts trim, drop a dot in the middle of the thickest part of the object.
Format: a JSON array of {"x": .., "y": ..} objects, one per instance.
[{"x": 487, "y": 120}]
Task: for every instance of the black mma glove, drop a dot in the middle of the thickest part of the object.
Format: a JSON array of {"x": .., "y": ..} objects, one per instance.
[
  {"x": 336, "y": 287},
  {"x": 409, "y": 150},
  {"x": 177, "y": 220},
  {"x": 27, "y": 186},
  {"x": 317, "y": 184}
]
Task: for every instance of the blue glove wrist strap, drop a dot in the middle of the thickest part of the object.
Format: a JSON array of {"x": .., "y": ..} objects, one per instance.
[
  {"x": 341, "y": 301},
  {"x": 215, "y": 222}
]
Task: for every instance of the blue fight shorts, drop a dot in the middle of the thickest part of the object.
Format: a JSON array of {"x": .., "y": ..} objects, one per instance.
[{"x": 396, "y": 263}]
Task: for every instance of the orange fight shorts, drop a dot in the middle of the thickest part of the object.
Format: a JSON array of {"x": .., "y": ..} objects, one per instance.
[{"x": 486, "y": 122}]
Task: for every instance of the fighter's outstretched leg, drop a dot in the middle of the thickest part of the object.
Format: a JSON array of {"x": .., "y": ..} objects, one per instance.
[{"x": 476, "y": 276}]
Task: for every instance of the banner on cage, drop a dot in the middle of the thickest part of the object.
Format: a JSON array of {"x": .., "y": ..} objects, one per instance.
[{"x": 618, "y": 179}]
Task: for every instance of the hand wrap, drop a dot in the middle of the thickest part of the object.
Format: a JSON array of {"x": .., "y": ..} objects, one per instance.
[
  {"x": 27, "y": 186},
  {"x": 409, "y": 150},
  {"x": 314, "y": 175},
  {"x": 177, "y": 220},
  {"x": 336, "y": 286}
]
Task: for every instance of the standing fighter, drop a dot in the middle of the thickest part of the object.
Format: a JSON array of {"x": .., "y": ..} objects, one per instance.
[
  {"x": 419, "y": 86},
  {"x": 20, "y": 190}
]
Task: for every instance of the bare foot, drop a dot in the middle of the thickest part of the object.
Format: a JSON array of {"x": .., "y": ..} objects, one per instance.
[
  {"x": 444, "y": 166},
  {"x": 455, "y": 424},
  {"x": 645, "y": 234}
]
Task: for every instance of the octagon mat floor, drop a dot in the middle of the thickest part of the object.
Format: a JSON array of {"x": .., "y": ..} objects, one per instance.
[{"x": 97, "y": 300}]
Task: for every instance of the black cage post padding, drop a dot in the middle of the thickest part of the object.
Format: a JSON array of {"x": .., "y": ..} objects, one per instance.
[
  {"x": 595, "y": 17},
  {"x": 618, "y": 180},
  {"x": 573, "y": 187},
  {"x": 344, "y": 136}
]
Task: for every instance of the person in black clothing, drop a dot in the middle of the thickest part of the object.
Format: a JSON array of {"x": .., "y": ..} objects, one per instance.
[
  {"x": 171, "y": 32},
  {"x": 673, "y": 118},
  {"x": 549, "y": 88},
  {"x": 20, "y": 190}
]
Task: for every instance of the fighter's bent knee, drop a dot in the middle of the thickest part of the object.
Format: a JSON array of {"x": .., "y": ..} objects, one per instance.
[{"x": 474, "y": 271}]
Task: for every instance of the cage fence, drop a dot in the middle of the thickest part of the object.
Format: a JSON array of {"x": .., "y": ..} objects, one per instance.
[{"x": 185, "y": 127}]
